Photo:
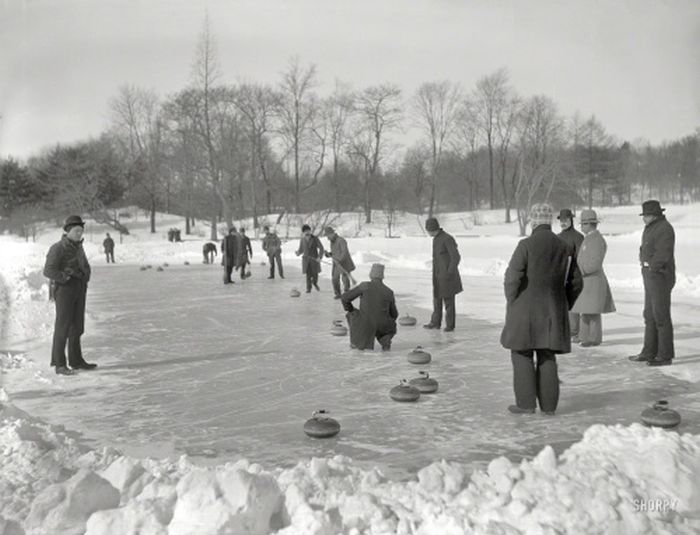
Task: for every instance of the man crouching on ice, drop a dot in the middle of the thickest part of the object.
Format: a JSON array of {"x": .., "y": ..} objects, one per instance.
[{"x": 377, "y": 315}]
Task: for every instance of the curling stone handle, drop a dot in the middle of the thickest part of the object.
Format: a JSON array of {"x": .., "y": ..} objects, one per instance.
[
  {"x": 319, "y": 412},
  {"x": 425, "y": 374},
  {"x": 661, "y": 405}
]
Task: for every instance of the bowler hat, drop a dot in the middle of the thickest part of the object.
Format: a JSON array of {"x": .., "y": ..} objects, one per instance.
[
  {"x": 652, "y": 207},
  {"x": 565, "y": 213},
  {"x": 431, "y": 224},
  {"x": 73, "y": 221},
  {"x": 376, "y": 271},
  {"x": 328, "y": 231},
  {"x": 589, "y": 216}
]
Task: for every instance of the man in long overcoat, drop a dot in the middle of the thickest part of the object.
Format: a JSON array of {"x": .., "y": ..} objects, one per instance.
[
  {"x": 272, "y": 245},
  {"x": 311, "y": 251},
  {"x": 573, "y": 238},
  {"x": 108, "y": 245},
  {"x": 540, "y": 285},
  {"x": 377, "y": 315},
  {"x": 229, "y": 253},
  {"x": 245, "y": 253},
  {"x": 68, "y": 270},
  {"x": 656, "y": 257},
  {"x": 446, "y": 280},
  {"x": 595, "y": 298},
  {"x": 342, "y": 261}
]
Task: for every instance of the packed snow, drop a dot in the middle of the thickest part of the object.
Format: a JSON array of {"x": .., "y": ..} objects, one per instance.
[{"x": 611, "y": 479}]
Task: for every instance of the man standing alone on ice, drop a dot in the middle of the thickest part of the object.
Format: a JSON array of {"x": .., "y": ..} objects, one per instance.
[
  {"x": 108, "y": 244},
  {"x": 573, "y": 239},
  {"x": 342, "y": 261},
  {"x": 656, "y": 257},
  {"x": 446, "y": 280},
  {"x": 272, "y": 245},
  {"x": 540, "y": 286},
  {"x": 68, "y": 270},
  {"x": 311, "y": 251},
  {"x": 229, "y": 253}
]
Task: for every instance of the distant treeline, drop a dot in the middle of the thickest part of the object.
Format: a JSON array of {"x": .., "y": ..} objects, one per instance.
[{"x": 220, "y": 151}]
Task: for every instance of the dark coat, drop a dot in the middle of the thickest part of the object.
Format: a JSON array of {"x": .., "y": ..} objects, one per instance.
[
  {"x": 311, "y": 251},
  {"x": 541, "y": 285},
  {"x": 245, "y": 250},
  {"x": 271, "y": 244},
  {"x": 377, "y": 314},
  {"x": 341, "y": 254},
  {"x": 657, "y": 250},
  {"x": 66, "y": 260},
  {"x": 230, "y": 249},
  {"x": 573, "y": 239},
  {"x": 108, "y": 244},
  {"x": 446, "y": 279}
]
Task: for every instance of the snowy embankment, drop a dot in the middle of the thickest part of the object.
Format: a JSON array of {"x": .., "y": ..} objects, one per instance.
[{"x": 615, "y": 480}]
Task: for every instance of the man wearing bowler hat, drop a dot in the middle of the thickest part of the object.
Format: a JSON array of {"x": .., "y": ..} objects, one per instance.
[
  {"x": 446, "y": 280},
  {"x": 659, "y": 274},
  {"x": 69, "y": 272},
  {"x": 573, "y": 239}
]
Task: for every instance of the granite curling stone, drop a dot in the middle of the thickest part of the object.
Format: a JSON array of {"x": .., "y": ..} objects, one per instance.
[
  {"x": 404, "y": 392},
  {"x": 159, "y": 269},
  {"x": 407, "y": 321},
  {"x": 339, "y": 329},
  {"x": 187, "y": 263},
  {"x": 143, "y": 268},
  {"x": 321, "y": 426},
  {"x": 424, "y": 383},
  {"x": 659, "y": 415},
  {"x": 294, "y": 293},
  {"x": 419, "y": 356}
]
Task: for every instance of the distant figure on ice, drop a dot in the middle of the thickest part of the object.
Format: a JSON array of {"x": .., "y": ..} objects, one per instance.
[
  {"x": 573, "y": 238},
  {"x": 540, "y": 287},
  {"x": 342, "y": 261},
  {"x": 272, "y": 245},
  {"x": 595, "y": 299},
  {"x": 446, "y": 280},
  {"x": 656, "y": 257},
  {"x": 68, "y": 270},
  {"x": 108, "y": 245},
  {"x": 209, "y": 252},
  {"x": 245, "y": 253},
  {"x": 229, "y": 253},
  {"x": 377, "y": 315},
  {"x": 311, "y": 251}
]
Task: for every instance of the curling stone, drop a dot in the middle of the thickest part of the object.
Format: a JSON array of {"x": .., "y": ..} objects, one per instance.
[
  {"x": 149, "y": 266},
  {"x": 407, "y": 321},
  {"x": 187, "y": 263},
  {"x": 659, "y": 415},
  {"x": 263, "y": 263},
  {"x": 338, "y": 328},
  {"x": 418, "y": 356},
  {"x": 165, "y": 264},
  {"x": 294, "y": 293},
  {"x": 424, "y": 383},
  {"x": 159, "y": 269},
  {"x": 143, "y": 268},
  {"x": 404, "y": 392},
  {"x": 321, "y": 426}
]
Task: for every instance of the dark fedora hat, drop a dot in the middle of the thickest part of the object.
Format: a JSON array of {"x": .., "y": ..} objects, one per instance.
[
  {"x": 73, "y": 221},
  {"x": 652, "y": 207},
  {"x": 565, "y": 213},
  {"x": 431, "y": 224}
]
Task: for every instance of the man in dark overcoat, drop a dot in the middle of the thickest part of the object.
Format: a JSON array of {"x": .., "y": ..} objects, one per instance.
[
  {"x": 377, "y": 315},
  {"x": 108, "y": 245},
  {"x": 656, "y": 257},
  {"x": 342, "y": 261},
  {"x": 245, "y": 253},
  {"x": 229, "y": 253},
  {"x": 573, "y": 239},
  {"x": 311, "y": 251},
  {"x": 541, "y": 286},
  {"x": 446, "y": 280},
  {"x": 68, "y": 270}
]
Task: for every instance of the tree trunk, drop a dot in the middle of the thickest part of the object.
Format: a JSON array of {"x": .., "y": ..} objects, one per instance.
[
  {"x": 153, "y": 216},
  {"x": 491, "y": 196},
  {"x": 368, "y": 202}
]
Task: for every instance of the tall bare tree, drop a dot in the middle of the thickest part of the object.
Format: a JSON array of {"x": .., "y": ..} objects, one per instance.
[
  {"x": 436, "y": 108},
  {"x": 337, "y": 109},
  {"x": 466, "y": 145}
]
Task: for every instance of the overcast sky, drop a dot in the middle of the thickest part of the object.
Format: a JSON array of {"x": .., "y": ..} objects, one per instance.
[{"x": 635, "y": 64}]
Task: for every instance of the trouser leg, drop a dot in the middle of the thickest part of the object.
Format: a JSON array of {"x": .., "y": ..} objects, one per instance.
[
  {"x": 335, "y": 279},
  {"x": 346, "y": 282},
  {"x": 278, "y": 258},
  {"x": 524, "y": 379},
  {"x": 67, "y": 299},
  {"x": 596, "y": 328},
  {"x": 651, "y": 335},
  {"x": 436, "y": 318},
  {"x": 271, "y": 259},
  {"x": 584, "y": 333},
  {"x": 450, "y": 312},
  {"x": 309, "y": 280},
  {"x": 547, "y": 380},
  {"x": 660, "y": 295},
  {"x": 574, "y": 323}
]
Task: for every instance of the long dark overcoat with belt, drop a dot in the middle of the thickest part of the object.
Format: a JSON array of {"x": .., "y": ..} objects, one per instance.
[
  {"x": 446, "y": 258},
  {"x": 311, "y": 251},
  {"x": 541, "y": 285}
]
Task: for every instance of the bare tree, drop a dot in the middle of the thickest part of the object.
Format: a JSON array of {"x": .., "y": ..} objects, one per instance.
[
  {"x": 436, "y": 108},
  {"x": 377, "y": 112},
  {"x": 466, "y": 145},
  {"x": 337, "y": 109},
  {"x": 489, "y": 99},
  {"x": 506, "y": 121}
]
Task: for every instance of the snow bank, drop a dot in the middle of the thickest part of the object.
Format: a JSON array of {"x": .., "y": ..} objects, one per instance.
[{"x": 615, "y": 480}]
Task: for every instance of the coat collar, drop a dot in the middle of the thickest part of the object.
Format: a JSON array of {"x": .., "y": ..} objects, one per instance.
[{"x": 542, "y": 227}]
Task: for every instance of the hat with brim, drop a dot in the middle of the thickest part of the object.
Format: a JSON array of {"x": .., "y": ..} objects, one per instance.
[
  {"x": 565, "y": 213},
  {"x": 432, "y": 225},
  {"x": 652, "y": 208},
  {"x": 589, "y": 216},
  {"x": 73, "y": 221},
  {"x": 329, "y": 231}
]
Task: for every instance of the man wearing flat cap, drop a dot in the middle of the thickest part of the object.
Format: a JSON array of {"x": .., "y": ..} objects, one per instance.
[
  {"x": 342, "y": 261},
  {"x": 540, "y": 285},
  {"x": 656, "y": 257},
  {"x": 68, "y": 270},
  {"x": 377, "y": 315},
  {"x": 446, "y": 280},
  {"x": 573, "y": 239}
]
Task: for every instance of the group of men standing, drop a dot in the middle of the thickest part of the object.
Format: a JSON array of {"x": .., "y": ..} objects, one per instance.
[{"x": 236, "y": 252}]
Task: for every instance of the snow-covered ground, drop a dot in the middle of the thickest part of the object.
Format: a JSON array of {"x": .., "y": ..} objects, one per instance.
[{"x": 219, "y": 374}]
